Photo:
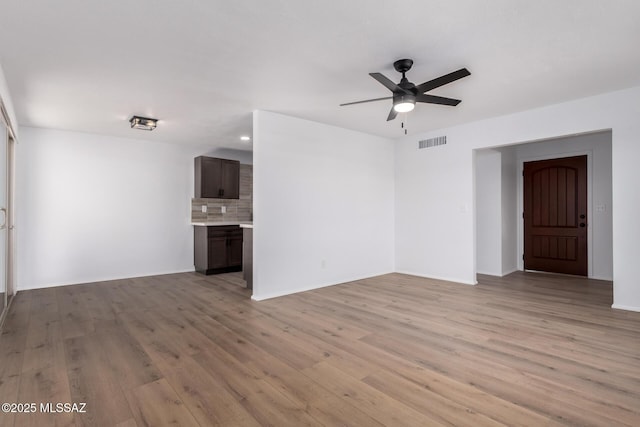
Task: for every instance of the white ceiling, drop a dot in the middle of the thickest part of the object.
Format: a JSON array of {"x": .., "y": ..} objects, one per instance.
[{"x": 202, "y": 67}]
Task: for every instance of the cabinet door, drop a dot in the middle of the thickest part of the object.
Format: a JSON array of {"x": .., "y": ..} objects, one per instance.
[
  {"x": 234, "y": 249},
  {"x": 230, "y": 179},
  {"x": 208, "y": 183},
  {"x": 217, "y": 252}
]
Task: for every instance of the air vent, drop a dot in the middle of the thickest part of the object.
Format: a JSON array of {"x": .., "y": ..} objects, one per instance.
[{"x": 432, "y": 142}]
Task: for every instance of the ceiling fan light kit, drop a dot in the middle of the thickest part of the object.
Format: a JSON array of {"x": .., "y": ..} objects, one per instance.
[
  {"x": 404, "y": 103},
  {"x": 406, "y": 94}
]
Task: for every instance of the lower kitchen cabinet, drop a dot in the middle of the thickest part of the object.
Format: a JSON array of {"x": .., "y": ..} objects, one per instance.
[{"x": 217, "y": 249}]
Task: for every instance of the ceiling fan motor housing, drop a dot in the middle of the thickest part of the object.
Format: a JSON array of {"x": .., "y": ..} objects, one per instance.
[{"x": 404, "y": 97}]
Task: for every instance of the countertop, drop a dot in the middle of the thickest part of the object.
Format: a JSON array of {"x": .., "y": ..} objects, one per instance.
[{"x": 246, "y": 224}]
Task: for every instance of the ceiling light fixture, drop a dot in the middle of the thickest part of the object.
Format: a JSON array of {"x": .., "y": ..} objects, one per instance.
[
  {"x": 143, "y": 123},
  {"x": 404, "y": 103},
  {"x": 406, "y": 94},
  {"x": 245, "y": 138}
]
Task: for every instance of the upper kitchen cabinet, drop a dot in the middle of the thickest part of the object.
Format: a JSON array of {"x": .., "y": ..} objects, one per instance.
[{"x": 217, "y": 178}]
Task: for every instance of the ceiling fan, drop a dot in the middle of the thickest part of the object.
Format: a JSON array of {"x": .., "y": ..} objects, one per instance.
[{"x": 406, "y": 94}]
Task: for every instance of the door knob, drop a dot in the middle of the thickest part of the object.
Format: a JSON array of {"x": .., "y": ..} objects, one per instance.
[
  {"x": 582, "y": 216},
  {"x": 582, "y": 224}
]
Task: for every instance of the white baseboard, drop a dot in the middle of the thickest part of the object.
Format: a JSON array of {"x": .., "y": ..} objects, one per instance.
[
  {"x": 262, "y": 297},
  {"x": 501, "y": 274},
  {"x": 285, "y": 293},
  {"x": 606, "y": 279},
  {"x": 446, "y": 279},
  {"x": 625, "y": 307},
  {"x": 506, "y": 273},
  {"x": 103, "y": 279},
  {"x": 493, "y": 273}
]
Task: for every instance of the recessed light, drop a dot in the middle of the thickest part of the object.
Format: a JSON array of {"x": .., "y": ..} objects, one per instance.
[
  {"x": 245, "y": 138},
  {"x": 143, "y": 123}
]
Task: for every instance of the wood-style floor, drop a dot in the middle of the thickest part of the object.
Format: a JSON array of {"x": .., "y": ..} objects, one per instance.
[{"x": 395, "y": 350}]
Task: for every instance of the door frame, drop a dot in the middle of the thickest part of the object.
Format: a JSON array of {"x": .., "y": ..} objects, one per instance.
[
  {"x": 11, "y": 211},
  {"x": 520, "y": 201},
  {"x": 10, "y": 273}
]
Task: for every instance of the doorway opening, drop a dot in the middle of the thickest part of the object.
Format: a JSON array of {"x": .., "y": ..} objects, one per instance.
[{"x": 500, "y": 199}]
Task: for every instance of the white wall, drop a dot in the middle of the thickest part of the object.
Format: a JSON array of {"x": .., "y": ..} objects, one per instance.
[
  {"x": 323, "y": 205},
  {"x": 597, "y": 147},
  {"x": 488, "y": 182},
  {"x": 510, "y": 215},
  {"x": 496, "y": 211},
  {"x": 434, "y": 223},
  {"x": 434, "y": 188},
  {"x": 92, "y": 208}
]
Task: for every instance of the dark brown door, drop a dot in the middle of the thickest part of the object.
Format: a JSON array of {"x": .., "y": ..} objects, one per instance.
[{"x": 555, "y": 215}]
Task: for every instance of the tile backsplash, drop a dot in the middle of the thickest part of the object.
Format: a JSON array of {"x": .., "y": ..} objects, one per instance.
[{"x": 236, "y": 209}]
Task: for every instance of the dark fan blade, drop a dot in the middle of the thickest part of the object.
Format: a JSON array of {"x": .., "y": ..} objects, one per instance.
[
  {"x": 388, "y": 83},
  {"x": 431, "y": 99},
  {"x": 443, "y": 80},
  {"x": 392, "y": 114},
  {"x": 368, "y": 100}
]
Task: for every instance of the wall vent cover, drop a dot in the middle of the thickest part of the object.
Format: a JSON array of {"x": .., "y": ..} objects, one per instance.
[{"x": 432, "y": 142}]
